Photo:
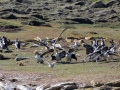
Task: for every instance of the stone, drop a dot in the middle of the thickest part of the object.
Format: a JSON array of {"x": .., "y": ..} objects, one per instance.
[{"x": 69, "y": 87}]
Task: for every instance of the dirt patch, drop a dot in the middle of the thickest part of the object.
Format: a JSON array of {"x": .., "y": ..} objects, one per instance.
[
  {"x": 28, "y": 78},
  {"x": 9, "y": 28}
]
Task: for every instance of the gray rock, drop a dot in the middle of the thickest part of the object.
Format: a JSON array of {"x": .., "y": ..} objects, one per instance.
[{"x": 69, "y": 87}]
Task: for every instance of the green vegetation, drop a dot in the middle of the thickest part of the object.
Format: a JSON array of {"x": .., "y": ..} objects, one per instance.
[
  {"x": 10, "y": 22},
  {"x": 77, "y": 70}
]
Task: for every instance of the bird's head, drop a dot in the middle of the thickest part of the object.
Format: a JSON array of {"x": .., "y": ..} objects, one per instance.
[{"x": 36, "y": 52}]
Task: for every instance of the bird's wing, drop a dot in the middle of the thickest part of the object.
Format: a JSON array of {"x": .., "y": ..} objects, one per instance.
[
  {"x": 71, "y": 50},
  {"x": 44, "y": 44},
  {"x": 62, "y": 54},
  {"x": 74, "y": 57},
  {"x": 44, "y": 53}
]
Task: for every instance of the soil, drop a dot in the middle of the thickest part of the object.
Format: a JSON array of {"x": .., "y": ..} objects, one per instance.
[{"x": 9, "y": 28}]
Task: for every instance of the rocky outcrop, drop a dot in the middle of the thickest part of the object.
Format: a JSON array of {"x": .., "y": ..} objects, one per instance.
[{"x": 60, "y": 86}]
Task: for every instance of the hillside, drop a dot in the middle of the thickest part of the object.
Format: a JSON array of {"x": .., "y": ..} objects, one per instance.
[{"x": 41, "y": 12}]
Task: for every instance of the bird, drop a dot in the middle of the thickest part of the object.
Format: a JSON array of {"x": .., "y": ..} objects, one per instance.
[
  {"x": 17, "y": 44},
  {"x": 58, "y": 55},
  {"x": 22, "y": 87},
  {"x": 51, "y": 65},
  {"x": 38, "y": 57},
  {"x": 70, "y": 56}
]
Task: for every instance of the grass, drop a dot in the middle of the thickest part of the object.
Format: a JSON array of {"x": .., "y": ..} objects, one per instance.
[{"x": 77, "y": 71}]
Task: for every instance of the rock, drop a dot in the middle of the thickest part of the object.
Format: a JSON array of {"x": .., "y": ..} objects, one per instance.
[
  {"x": 116, "y": 88},
  {"x": 98, "y": 4},
  {"x": 69, "y": 87},
  {"x": 114, "y": 84},
  {"x": 69, "y": 40},
  {"x": 10, "y": 16},
  {"x": 59, "y": 86},
  {"x": 22, "y": 87},
  {"x": 80, "y": 20},
  {"x": 54, "y": 87},
  {"x": 92, "y": 33},
  {"x": 2, "y": 88},
  {"x": 106, "y": 88},
  {"x": 20, "y": 64},
  {"x": 43, "y": 87},
  {"x": 36, "y": 23},
  {"x": 88, "y": 38}
]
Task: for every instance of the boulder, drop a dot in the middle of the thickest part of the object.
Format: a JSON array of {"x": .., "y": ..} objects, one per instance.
[
  {"x": 69, "y": 87},
  {"x": 10, "y": 16},
  {"x": 43, "y": 87}
]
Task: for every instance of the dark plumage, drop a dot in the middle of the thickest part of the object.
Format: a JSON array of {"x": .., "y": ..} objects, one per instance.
[{"x": 17, "y": 44}]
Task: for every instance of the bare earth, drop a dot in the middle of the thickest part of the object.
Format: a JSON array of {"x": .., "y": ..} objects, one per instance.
[{"x": 37, "y": 79}]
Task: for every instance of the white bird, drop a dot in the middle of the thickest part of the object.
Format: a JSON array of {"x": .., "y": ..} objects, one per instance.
[
  {"x": 22, "y": 87},
  {"x": 57, "y": 55},
  {"x": 34, "y": 45},
  {"x": 68, "y": 56},
  {"x": 75, "y": 46},
  {"x": 38, "y": 57},
  {"x": 51, "y": 65}
]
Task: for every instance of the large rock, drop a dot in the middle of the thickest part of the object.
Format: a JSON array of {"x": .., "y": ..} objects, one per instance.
[{"x": 10, "y": 16}]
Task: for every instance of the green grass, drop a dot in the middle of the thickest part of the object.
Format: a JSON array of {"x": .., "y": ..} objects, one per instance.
[
  {"x": 10, "y": 22},
  {"x": 77, "y": 71}
]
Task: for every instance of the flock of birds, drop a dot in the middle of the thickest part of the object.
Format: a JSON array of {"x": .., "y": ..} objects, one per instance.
[{"x": 96, "y": 51}]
